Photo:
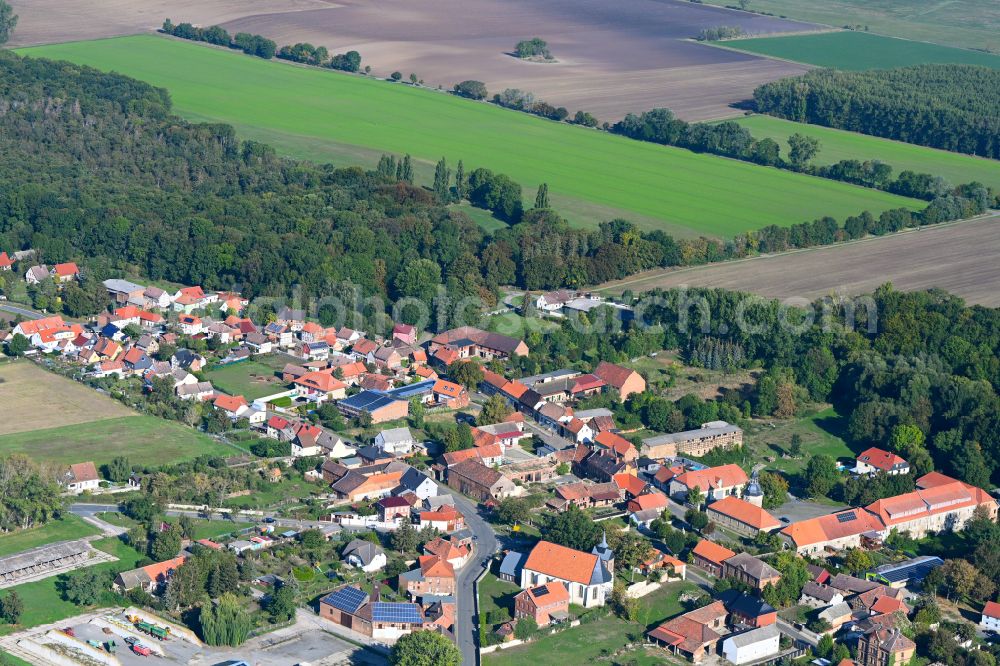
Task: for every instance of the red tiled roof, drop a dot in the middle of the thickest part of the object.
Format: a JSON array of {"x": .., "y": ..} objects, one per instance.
[
  {"x": 744, "y": 512},
  {"x": 645, "y": 502},
  {"x": 450, "y": 389},
  {"x": 991, "y": 609},
  {"x": 66, "y": 270},
  {"x": 561, "y": 562},
  {"x": 230, "y": 403},
  {"x": 629, "y": 483},
  {"x": 880, "y": 458},
  {"x": 5, "y": 261},
  {"x": 586, "y": 383},
  {"x": 724, "y": 476},
  {"x": 713, "y": 552},
  {"x": 85, "y": 471},
  {"x": 320, "y": 381}
]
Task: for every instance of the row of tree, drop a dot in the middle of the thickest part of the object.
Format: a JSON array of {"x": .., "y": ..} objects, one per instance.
[{"x": 953, "y": 107}]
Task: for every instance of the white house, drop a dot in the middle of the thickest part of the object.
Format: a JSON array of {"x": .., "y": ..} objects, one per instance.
[
  {"x": 991, "y": 617},
  {"x": 364, "y": 555},
  {"x": 397, "y": 441},
  {"x": 553, "y": 301},
  {"x": 419, "y": 484},
  {"x": 752, "y": 645},
  {"x": 81, "y": 477},
  {"x": 588, "y": 577}
]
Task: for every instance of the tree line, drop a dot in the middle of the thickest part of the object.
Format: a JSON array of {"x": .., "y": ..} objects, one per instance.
[
  {"x": 731, "y": 139},
  {"x": 262, "y": 47},
  {"x": 952, "y": 107}
]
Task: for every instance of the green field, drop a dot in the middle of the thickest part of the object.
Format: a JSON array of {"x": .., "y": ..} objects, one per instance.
[
  {"x": 144, "y": 439},
  {"x": 820, "y": 434},
  {"x": 593, "y": 176},
  {"x": 203, "y": 529},
  {"x": 859, "y": 50},
  {"x": 251, "y": 379},
  {"x": 836, "y": 145},
  {"x": 964, "y": 23},
  {"x": 68, "y": 528}
]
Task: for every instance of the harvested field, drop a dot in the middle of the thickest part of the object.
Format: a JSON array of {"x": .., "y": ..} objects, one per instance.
[
  {"x": 51, "y": 21},
  {"x": 33, "y": 398},
  {"x": 631, "y": 55},
  {"x": 602, "y": 175},
  {"x": 960, "y": 258}
]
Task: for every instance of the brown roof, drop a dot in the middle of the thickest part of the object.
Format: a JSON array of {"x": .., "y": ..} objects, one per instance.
[
  {"x": 85, "y": 471},
  {"x": 724, "y": 476},
  {"x": 477, "y": 472},
  {"x": 615, "y": 375}
]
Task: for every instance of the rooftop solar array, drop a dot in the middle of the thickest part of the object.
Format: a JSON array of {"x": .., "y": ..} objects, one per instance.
[
  {"x": 916, "y": 569},
  {"x": 399, "y": 613},
  {"x": 847, "y": 517},
  {"x": 348, "y": 599}
]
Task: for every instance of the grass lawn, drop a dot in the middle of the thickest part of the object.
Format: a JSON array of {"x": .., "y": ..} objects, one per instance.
[
  {"x": 251, "y": 379},
  {"x": 12, "y": 660},
  {"x": 483, "y": 218},
  {"x": 591, "y": 641},
  {"x": 965, "y": 23},
  {"x": 836, "y": 145},
  {"x": 592, "y": 174},
  {"x": 288, "y": 488},
  {"x": 820, "y": 433},
  {"x": 515, "y": 325},
  {"x": 860, "y": 50},
  {"x": 148, "y": 439},
  {"x": 43, "y": 602},
  {"x": 68, "y": 528},
  {"x": 496, "y": 594}
]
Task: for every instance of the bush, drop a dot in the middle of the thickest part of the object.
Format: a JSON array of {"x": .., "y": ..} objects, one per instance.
[
  {"x": 346, "y": 62},
  {"x": 720, "y": 32},
  {"x": 471, "y": 89},
  {"x": 532, "y": 48}
]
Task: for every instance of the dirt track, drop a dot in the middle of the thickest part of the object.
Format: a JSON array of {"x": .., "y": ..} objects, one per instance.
[
  {"x": 960, "y": 258},
  {"x": 613, "y": 58}
]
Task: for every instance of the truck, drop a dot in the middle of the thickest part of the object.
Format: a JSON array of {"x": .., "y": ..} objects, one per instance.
[
  {"x": 111, "y": 647},
  {"x": 141, "y": 650},
  {"x": 157, "y": 631}
]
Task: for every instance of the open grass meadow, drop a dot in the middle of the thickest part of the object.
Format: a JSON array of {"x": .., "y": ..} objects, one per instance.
[
  {"x": 68, "y": 528},
  {"x": 593, "y": 176},
  {"x": 972, "y": 24},
  {"x": 34, "y": 398},
  {"x": 145, "y": 439},
  {"x": 836, "y": 145},
  {"x": 855, "y": 50},
  {"x": 251, "y": 379}
]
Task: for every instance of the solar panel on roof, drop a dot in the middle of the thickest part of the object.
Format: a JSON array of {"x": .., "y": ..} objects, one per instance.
[
  {"x": 396, "y": 612},
  {"x": 846, "y": 517},
  {"x": 347, "y": 599},
  {"x": 542, "y": 591}
]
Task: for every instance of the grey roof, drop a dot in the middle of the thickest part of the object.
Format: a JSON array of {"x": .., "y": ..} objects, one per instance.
[
  {"x": 601, "y": 574},
  {"x": 834, "y": 612},
  {"x": 440, "y": 500},
  {"x": 646, "y": 515},
  {"x": 396, "y": 435},
  {"x": 686, "y": 435},
  {"x": 366, "y": 551},
  {"x": 753, "y": 636},
  {"x": 548, "y": 377},
  {"x": 195, "y": 389},
  {"x": 123, "y": 286},
  {"x": 586, "y": 414},
  {"x": 512, "y": 564},
  {"x": 412, "y": 479},
  {"x": 366, "y": 401},
  {"x": 42, "y": 555},
  {"x": 752, "y": 566},
  {"x": 134, "y": 578},
  {"x": 821, "y": 592}
]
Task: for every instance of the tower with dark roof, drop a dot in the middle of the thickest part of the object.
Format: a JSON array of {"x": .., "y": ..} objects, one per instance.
[{"x": 604, "y": 552}]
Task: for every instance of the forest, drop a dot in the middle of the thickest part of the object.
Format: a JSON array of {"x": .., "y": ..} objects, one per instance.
[{"x": 952, "y": 107}]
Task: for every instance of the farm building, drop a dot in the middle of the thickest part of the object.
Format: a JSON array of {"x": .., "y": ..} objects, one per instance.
[{"x": 41, "y": 560}]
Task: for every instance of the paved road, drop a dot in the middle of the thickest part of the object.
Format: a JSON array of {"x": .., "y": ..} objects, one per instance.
[
  {"x": 13, "y": 309},
  {"x": 485, "y": 545}
]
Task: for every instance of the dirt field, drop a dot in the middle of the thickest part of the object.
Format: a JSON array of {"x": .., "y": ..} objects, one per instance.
[
  {"x": 50, "y": 21},
  {"x": 631, "y": 55},
  {"x": 960, "y": 258},
  {"x": 34, "y": 399}
]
